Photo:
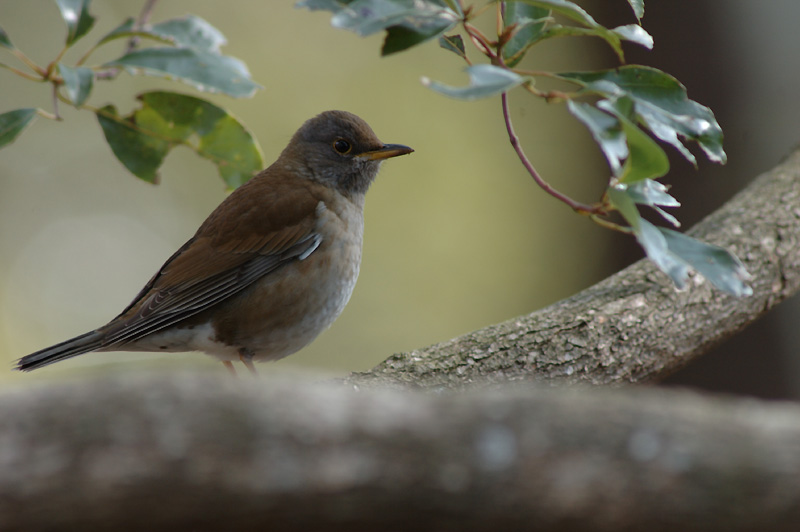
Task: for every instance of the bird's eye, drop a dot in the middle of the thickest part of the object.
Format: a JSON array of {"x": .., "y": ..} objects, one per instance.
[{"x": 341, "y": 146}]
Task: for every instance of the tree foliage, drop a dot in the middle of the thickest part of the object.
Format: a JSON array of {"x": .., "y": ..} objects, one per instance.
[{"x": 625, "y": 108}]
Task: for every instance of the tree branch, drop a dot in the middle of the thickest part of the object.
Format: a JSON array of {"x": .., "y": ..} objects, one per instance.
[
  {"x": 194, "y": 452},
  {"x": 633, "y": 326}
]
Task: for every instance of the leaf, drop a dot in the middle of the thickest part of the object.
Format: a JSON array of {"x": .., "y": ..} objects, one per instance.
[
  {"x": 399, "y": 38},
  {"x": 635, "y": 34},
  {"x": 676, "y": 254},
  {"x": 5, "y": 42},
  {"x": 621, "y": 199},
  {"x": 78, "y": 83},
  {"x": 654, "y": 194},
  {"x": 719, "y": 266},
  {"x": 142, "y": 154},
  {"x": 578, "y": 14},
  {"x": 530, "y": 22},
  {"x": 484, "y": 80},
  {"x": 205, "y": 71},
  {"x": 606, "y": 130},
  {"x": 123, "y": 30},
  {"x": 648, "y": 236},
  {"x": 12, "y": 123},
  {"x": 323, "y": 5},
  {"x": 661, "y": 103},
  {"x": 166, "y": 119},
  {"x": 645, "y": 159},
  {"x": 638, "y": 8},
  {"x": 570, "y": 10},
  {"x": 366, "y": 17},
  {"x": 453, "y": 43},
  {"x": 188, "y": 31},
  {"x": 655, "y": 246},
  {"x": 407, "y": 22},
  {"x": 76, "y": 15}
]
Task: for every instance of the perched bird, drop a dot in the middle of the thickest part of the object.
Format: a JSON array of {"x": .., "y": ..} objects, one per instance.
[{"x": 272, "y": 266}]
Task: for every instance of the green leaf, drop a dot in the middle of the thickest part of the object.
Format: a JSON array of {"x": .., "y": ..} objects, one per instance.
[
  {"x": 366, "y": 17},
  {"x": 399, "y": 38},
  {"x": 635, "y": 34},
  {"x": 77, "y": 18},
  {"x": 676, "y": 254},
  {"x": 648, "y": 236},
  {"x": 638, "y": 8},
  {"x": 323, "y": 5},
  {"x": 655, "y": 246},
  {"x": 407, "y": 22},
  {"x": 654, "y": 194},
  {"x": 530, "y": 22},
  {"x": 454, "y": 43},
  {"x": 645, "y": 159},
  {"x": 188, "y": 31},
  {"x": 620, "y": 198},
  {"x": 203, "y": 70},
  {"x": 484, "y": 80},
  {"x": 570, "y": 10},
  {"x": 719, "y": 266},
  {"x": 78, "y": 83},
  {"x": 12, "y": 123},
  {"x": 606, "y": 130},
  {"x": 578, "y": 14},
  {"x": 5, "y": 42},
  {"x": 141, "y": 153},
  {"x": 142, "y": 140},
  {"x": 661, "y": 103}
]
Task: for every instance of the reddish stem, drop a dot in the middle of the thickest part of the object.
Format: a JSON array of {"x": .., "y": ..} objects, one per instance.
[{"x": 544, "y": 185}]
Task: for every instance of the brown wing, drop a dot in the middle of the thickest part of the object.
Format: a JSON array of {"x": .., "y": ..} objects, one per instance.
[{"x": 230, "y": 251}]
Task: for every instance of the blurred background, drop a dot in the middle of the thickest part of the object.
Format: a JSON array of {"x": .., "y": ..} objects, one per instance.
[{"x": 457, "y": 235}]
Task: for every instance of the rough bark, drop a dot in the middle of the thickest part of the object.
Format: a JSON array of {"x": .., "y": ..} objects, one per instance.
[
  {"x": 194, "y": 452},
  {"x": 634, "y": 326}
]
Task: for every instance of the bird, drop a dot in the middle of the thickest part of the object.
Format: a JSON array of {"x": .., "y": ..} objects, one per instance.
[{"x": 269, "y": 269}]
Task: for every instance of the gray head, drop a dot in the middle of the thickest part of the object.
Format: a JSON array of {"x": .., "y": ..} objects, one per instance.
[{"x": 339, "y": 149}]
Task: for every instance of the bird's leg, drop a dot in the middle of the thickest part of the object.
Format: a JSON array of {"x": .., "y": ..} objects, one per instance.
[
  {"x": 229, "y": 366},
  {"x": 247, "y": 359}
]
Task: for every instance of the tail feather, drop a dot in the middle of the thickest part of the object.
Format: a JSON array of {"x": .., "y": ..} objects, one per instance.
[{"x": 76, "y": 346}]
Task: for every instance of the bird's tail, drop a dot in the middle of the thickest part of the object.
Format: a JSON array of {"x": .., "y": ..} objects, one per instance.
[{"x": 76, "y": 346}]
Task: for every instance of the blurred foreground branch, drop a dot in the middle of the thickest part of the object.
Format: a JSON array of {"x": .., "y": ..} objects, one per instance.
[
  {"x": 633, "y": 326},
  {"x": 193, "y": 452}
]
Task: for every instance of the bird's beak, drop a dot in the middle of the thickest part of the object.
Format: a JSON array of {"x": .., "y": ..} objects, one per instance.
[{"x": 385, "y": 151}]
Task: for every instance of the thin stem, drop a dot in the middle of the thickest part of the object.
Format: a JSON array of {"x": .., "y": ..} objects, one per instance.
[
  {"x": 144, "y": 16},
  {"x": 85, "y": 56},
  {"x": 21, "y": 74},
  {"x": 544, "y": 185},
  {"x": 480, "y": 41},
  {"x": 45, "y": 114},
  {"x": 610, "y": 225},
  {"x": 55, "y": 102},
  {"x": 25, "y": 59}
]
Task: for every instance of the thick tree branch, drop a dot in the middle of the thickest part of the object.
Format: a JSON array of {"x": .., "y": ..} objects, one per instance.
[
  {"x": 634, "y": 326},
  {"x": 193, "y": 452}
]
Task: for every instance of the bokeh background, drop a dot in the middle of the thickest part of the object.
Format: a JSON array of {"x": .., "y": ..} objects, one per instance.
[{"x": 457, "y": 235}]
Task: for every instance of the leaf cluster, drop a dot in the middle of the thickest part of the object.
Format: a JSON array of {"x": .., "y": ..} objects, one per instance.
[
  {"x": 186, "y": 50},
  {"x": 626, "y": 109}
]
